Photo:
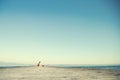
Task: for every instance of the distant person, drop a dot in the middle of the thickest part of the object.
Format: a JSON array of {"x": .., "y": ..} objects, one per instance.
[{"x": 38, "y": 63}]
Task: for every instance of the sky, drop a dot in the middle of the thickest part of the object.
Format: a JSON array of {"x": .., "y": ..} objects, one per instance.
[{"x": 59, "y": 31}]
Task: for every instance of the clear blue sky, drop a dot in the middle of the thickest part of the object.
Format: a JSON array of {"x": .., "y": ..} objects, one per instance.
[{"x": 59, "y": 31}]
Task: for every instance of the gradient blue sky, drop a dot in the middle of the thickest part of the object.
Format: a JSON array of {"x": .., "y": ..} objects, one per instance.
[{"x": 59, "y": 31}]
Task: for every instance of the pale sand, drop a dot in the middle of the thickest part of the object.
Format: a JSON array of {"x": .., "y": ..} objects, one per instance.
[{"x": 52, "y": 73}]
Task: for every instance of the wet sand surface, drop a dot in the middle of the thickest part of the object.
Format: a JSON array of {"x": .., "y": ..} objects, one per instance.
[{"x": 52, "y": 73}]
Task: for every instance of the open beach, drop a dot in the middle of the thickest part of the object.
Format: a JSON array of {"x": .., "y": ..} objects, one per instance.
[
  {"x": 54, "y": 73},
  {"x": 59, "y": 39}
]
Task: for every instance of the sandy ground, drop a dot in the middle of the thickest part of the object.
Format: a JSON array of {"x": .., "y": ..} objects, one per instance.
[{"x": 52, "y": 73}]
